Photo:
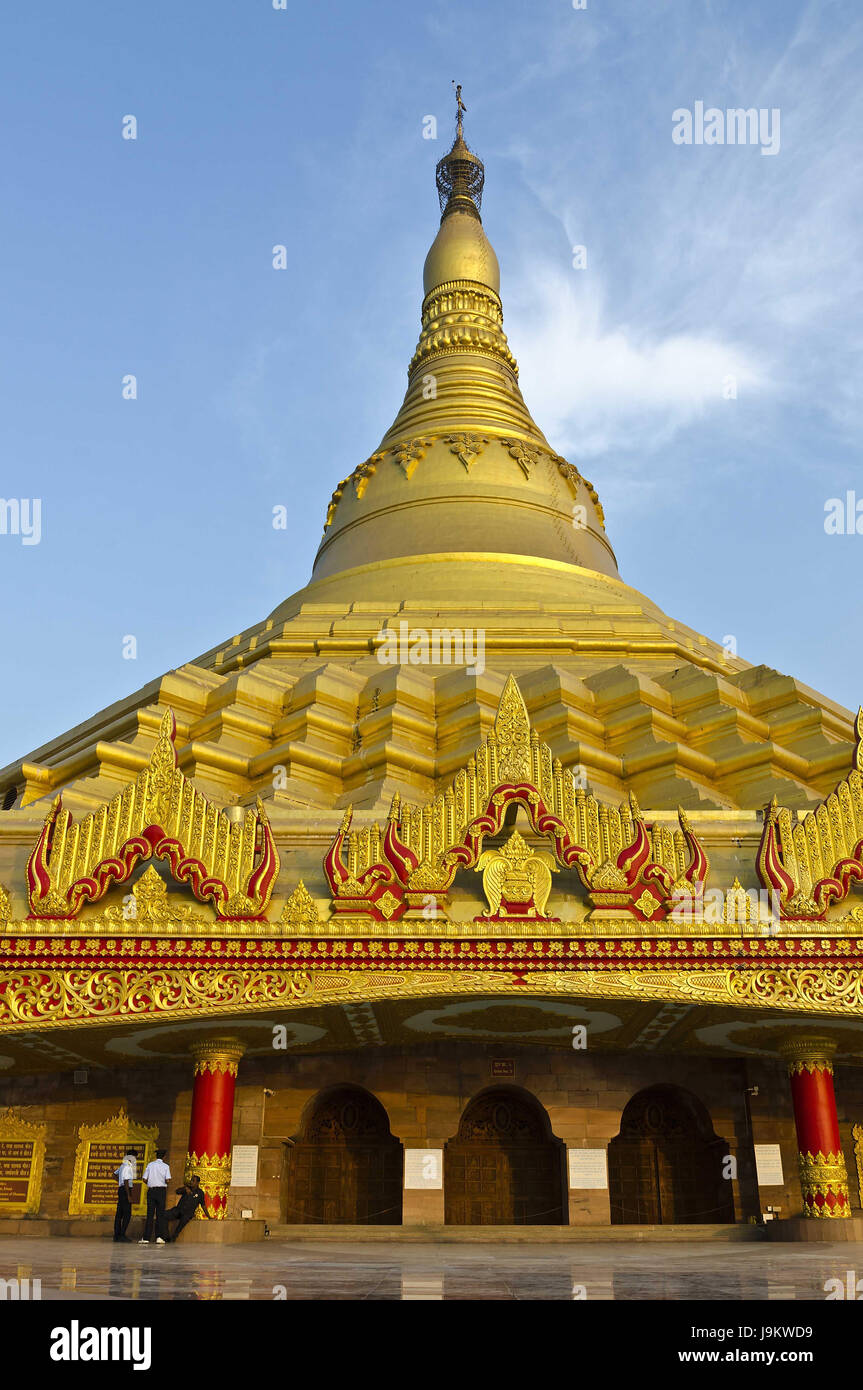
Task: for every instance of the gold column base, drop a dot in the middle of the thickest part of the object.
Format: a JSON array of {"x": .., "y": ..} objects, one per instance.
[
  {"x": 824, "y": 1181},
  {"x": 214, "y": 1173}
]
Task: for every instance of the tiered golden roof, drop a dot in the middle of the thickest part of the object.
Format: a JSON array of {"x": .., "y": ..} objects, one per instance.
[{"x": 464, "y": 516}]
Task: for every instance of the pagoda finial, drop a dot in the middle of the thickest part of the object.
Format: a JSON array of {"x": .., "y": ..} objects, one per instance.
[
  {"x": 459, "y": 108},
  {"x": 460, "y": 175}
]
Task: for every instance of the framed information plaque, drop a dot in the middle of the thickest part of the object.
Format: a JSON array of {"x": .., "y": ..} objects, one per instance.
[
  {"x": 768, "y": 1164},
  {"x": 22, "y": 1155},
  {"x": 100, "y": 1151},
  {"x": 588, "y": 1169}
]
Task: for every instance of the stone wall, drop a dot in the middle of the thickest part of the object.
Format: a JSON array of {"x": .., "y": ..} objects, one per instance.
[{"x": 424, "y": 1092}]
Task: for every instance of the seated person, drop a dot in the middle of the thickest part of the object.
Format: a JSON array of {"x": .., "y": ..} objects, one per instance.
[{"x": 191, "y": 1197}]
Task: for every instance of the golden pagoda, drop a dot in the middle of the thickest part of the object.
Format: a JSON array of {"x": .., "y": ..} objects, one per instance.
[{"x": 463, "y": 794}]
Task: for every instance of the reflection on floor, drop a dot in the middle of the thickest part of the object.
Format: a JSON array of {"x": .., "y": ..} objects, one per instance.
[{"x": 96, "y": 1269}]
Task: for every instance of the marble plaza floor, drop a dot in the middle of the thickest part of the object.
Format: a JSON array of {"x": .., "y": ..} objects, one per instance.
[{"x": 76, "y": 1269}]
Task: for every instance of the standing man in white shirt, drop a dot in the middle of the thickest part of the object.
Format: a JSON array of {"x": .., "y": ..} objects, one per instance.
[
  {"x": 157, "y": 1175},
  {"x": 125, "y": 1175}
]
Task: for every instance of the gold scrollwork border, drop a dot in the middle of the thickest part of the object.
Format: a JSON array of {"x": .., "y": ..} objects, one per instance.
[{"x": 28, "y": 1000}]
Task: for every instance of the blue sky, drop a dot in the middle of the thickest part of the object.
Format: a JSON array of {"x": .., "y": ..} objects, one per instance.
[{"x": 256, "y": 387}]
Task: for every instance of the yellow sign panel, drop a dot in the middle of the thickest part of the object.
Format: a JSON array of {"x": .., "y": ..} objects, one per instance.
[
  {"x": 22, "y": 1155},
  {"x": 101, "y": 1149}
]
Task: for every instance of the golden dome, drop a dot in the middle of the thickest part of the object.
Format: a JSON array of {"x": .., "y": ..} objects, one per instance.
[{"x": 461, "y": 251}]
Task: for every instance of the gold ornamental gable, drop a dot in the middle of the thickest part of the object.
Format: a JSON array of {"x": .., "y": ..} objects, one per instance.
[
  {"x": 627, "y": 866},
  {"x": 814, "y": 861},
  {"x": 232, "y": 864}
]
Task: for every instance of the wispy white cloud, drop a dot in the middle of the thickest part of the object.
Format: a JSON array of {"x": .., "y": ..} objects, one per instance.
[
  {"x": 716, "y": 262},
  {"x": 599, "y": 386}
]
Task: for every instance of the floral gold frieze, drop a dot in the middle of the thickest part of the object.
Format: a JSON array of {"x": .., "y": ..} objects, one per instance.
[{"x": 467, "y": 447}]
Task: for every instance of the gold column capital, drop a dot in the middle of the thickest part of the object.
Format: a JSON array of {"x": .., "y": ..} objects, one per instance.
[
  {"x": 808, "y": 1051},
  {"x": 217, "y": 1054}
]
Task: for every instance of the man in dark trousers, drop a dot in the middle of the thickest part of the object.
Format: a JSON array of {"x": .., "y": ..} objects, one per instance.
[
  {"x": 125, "y": 1176},
  {"x": 157, "y": 1175},
  {"x": 191, "y": 1198}
]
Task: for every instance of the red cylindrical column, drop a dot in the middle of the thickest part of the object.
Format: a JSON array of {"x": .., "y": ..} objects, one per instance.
[
  {"x": 216, "y": 1061},
  {"x": 823, "y": 1178}
]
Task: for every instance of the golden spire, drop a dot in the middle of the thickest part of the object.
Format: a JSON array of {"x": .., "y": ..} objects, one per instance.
[
  {"x": 463, "y": 454},
  {"x": 462, "y": 342},
  {"x": 460, "y": 175}
]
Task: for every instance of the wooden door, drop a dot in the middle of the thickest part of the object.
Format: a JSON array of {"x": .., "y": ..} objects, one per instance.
[
  {"x": 633, "y": 1181},
  {"x": 665, "y": 1166},
  {"x": 346, "y": 1169},
  {"x": 504, "y": 1167}
]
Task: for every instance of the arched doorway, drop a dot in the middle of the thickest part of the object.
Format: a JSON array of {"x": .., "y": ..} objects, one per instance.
[
  {"x": 504, "y": 1167},
  {"x": 666, "y": 1164},
  {"x": 346, "y": 1167}
]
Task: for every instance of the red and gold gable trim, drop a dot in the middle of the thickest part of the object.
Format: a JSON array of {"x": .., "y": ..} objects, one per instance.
[
  {"x": 160, "y": 815},
  {"x": 814, "y": 861},
  {"x": 628, "y": 867}
]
